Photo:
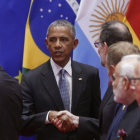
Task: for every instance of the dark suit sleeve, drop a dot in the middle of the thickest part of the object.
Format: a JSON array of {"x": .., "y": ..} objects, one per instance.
[
  {"x": 10, "y": 107},
  {"x": 96, "y": 96},
  {"x": 89, "y": 127},
  {"x": 31, "y": 122}
]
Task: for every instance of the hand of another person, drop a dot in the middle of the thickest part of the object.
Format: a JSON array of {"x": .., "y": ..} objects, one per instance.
[
  {"x": 74, "y": 118},
  {"x": 63, "y": 123},
  {"x": 66, "y": 121}
]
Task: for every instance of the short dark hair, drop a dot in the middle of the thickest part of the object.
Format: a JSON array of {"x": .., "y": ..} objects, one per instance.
[
  {"x": 63, "y": 23},
  {"x": 115, "y": 31}
]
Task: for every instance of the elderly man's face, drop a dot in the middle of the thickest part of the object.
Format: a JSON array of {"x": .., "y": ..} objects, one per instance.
[
  {"x": 122, "y": 88},
  {"x": 137, "y": 83},
  {"x": 117, "y": 86},
  {"x": 120, "y": 94}
]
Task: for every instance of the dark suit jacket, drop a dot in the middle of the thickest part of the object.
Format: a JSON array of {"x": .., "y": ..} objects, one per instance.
[
  {"x": 130, "y": 123},
  {"x": 107, "y": 109},
  {"x": 10, "y": 107},
  {"x": 92, "y": 128},
  {"x": 41, "y": 94}
]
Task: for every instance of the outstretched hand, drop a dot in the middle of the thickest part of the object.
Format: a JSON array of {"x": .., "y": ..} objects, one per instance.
[{"x": 65, "y": 121}]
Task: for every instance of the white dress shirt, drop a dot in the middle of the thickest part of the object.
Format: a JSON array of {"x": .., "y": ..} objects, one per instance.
[{"x": 68, "y": 74}]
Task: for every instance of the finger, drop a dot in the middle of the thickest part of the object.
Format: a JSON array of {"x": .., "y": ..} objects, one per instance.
[
  {"x": 60, "y": 127},
  {"x": 54, "y": 121},
  {"x": 58, "y": 123},
  {"x": 63, "y": 129},
  {"x": 67, "y": 124},
  {"x": 71, "y": 125}
]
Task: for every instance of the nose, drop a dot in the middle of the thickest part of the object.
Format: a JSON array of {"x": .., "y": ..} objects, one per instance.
[
  {"x": 58, "y": 43},
  {"x": 98, "y": 51}
]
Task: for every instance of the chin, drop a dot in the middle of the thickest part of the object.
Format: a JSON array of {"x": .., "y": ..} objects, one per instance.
[
  {"x": 117, "y": 100},
  {"x": 102, "y": 64}
]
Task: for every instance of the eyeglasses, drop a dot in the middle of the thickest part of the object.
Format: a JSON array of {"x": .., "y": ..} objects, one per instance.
[
  {"x": 133, "y": 80},
  {"x": 112, "y": 77},
  {"x": 97, "y": 44}
]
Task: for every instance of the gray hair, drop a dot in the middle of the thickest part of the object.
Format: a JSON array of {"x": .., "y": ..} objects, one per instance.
[
  {"x": 63, "y": 23},
  {"x": 128, "y": 64}
]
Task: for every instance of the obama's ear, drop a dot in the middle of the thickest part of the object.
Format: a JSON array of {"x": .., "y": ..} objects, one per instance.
[
  {"x": 76, "y": 41},
  {"x": 46, "y": 42}
]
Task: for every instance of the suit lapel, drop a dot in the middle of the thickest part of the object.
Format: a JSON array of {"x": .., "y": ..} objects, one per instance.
[
  {"x": 48, "y": 80},
  {"x": 77, "y": 85},
  {"x": 107, "y": 96}
]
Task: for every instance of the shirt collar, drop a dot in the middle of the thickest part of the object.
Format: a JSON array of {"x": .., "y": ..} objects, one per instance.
[{"x": 56, "y": 68}]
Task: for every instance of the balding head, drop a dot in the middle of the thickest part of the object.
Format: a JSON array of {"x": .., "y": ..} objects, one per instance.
[{"x": 115, "y": 31}]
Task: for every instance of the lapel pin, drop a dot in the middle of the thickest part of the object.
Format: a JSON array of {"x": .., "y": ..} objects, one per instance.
[
  {"x": 123, "y": 107},
  {"x": 80, "y": 79}
]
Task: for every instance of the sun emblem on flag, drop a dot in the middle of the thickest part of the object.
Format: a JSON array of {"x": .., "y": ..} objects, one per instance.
[{"x": 106, "y": 11}]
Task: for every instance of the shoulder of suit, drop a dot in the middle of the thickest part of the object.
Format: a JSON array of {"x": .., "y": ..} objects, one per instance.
[
  {"x": 37, "y": 69},
  {"x": 84, "y": 65}
]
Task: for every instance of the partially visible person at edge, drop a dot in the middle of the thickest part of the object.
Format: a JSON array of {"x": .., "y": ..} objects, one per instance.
[
  {"x": 10, "y": 107},
  {"x": 44, "y": 96},
  {"x": 111, "y": 32},
  {"x": 136, "y": 80}
]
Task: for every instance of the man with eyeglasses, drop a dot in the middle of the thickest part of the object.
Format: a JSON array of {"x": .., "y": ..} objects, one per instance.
[{"x": 124, "y": 124}]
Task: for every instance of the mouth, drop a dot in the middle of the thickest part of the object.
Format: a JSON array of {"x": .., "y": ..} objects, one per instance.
[{"x": 58, "y": 53}]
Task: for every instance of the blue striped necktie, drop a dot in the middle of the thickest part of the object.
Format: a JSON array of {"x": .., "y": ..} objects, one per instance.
[{"x": 64, "y": 90}]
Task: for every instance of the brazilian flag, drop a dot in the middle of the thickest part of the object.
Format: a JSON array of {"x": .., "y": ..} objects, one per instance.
[{"x": 41, "y": 15}]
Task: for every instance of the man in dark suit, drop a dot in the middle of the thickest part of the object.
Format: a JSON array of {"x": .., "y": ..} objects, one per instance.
[
  {"x": 111, "y": 32},
  {"x": 42, "y": 96},
  {"x": 10, "y": 107},
  {"x": 124, "y": 122}
]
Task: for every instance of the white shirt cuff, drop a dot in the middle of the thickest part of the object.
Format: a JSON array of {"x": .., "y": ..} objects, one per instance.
[{"x": 47, "y": 120}]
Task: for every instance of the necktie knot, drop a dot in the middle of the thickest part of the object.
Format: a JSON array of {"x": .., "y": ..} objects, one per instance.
[{"x": 62, "y": 71}]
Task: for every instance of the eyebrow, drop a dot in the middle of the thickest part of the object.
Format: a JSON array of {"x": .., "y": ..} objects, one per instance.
[{"x": 53, "y": 37}]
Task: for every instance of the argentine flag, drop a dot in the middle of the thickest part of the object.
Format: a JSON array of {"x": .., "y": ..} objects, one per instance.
[{"x": 91, "y": 15}]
